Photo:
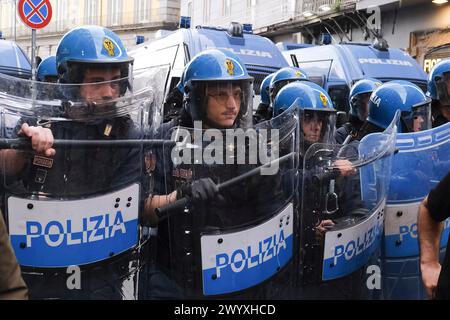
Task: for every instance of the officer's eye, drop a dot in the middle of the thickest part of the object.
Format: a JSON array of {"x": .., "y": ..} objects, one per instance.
[
  {"x": 310, "y": 116},
  {"x": 237, "y": 94},
  {"x": 114, "y": 85},
  {"x": 222, "y": 95}
]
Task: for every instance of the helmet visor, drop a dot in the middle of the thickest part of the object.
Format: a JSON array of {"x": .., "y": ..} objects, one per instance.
[
  {"x": 316, "y": 127},
  {"x": 419, "y": 119},
  {"x": 222, "y": 104},
  {"x": 360, "y": 105}
]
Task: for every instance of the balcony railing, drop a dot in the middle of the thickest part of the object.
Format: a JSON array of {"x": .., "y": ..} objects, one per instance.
[{"x": 318, "y": 7}]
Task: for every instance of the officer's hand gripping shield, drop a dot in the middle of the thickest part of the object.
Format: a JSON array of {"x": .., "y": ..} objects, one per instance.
[
  {"x": 74, "y": 219},
  {"x": 239, "y": 243},
  {"x": 341, "y": 221}
]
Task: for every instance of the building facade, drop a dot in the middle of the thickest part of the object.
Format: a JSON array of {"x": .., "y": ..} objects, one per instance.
[
  {"x": 128, "y": 18},
  {"x": 417, "y": 26},
  {"x": 260, "y": 13}
]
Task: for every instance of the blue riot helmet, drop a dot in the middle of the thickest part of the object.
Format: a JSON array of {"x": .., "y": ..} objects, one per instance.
[
  {"x": 401, "y": 95},
  {"x": 214, "y": 79},
  {"x": 264, "y": 89},
  {"x": 283, "y": 77},
  {"x": 359, "y": 97},
  {"x": 317, "y": 114},
  {"x": 46, "y": 72},
  {"x": 13, "y": 60},
  {"x": 91, "y": 47},
  {"x": 439, "y": 82}
]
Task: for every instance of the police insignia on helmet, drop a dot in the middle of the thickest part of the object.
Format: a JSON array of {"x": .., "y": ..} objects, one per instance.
[
  {"x": 298, "y": 74},
  {"x": 109, "y": 46},
  {"x": 230, "y": 67},
  {"x": 324, "y": 99}
]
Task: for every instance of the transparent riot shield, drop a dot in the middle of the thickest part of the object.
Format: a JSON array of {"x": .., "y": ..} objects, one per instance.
[
  {"x": 422, "y": 161},
  {"x": 341, "y": 221},
  {"x": 75, "y": 217},
  {"x": 239, "y": 243}
]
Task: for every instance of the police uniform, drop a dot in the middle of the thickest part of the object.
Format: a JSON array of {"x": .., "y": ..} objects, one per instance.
[
  {"x": 75, "y": 172},
  {"x": 350, "y": 128},
  {"x": 262, "y": 113},
  {"x": 244, "y": 204},
  {"x": 238, "y": 205},
  {"x": 67, "y": 173},
  {"x": 356, "y": 118}
]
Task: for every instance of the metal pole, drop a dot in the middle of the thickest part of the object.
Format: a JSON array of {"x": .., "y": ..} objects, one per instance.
[
  {"x": 15, "y": 21},
  {"x": 25, "y": 143},
  {"x": 33, "y": 54},
  {"x": 172, "y": 208}
]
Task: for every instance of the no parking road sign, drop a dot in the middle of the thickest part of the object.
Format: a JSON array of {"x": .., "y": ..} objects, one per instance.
[{"x": 35, "y": 13}]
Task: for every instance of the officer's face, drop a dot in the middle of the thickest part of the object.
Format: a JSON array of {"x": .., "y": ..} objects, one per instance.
[
  {"x": 312, "y": 127},
  {"x": 224, "y": 104},
  {"x": 364, "y": 107},
  {"x": 417, "y": 123},
  {"x": 100, "y": 86}
]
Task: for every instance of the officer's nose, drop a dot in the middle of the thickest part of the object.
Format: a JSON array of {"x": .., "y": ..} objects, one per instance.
[
  {"x": 315, "y": 125},
  {"x": 231, "y": 102},
  {"x": 107, "y": 91}
]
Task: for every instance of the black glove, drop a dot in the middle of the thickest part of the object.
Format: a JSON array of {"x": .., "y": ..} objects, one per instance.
[{"x": 201, "y": 190}]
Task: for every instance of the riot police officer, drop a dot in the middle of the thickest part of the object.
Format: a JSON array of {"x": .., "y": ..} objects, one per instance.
[
  {"x": 318, "y": 117},
  {"x": 284, "y": 76},
  {"x": 326, "y": 199},
  {"x": 93, "y": 65},
  {"x": 215, "y": 95},
  {"x": 359, "y": 101},
  {"x": 397, "y": 95},
  {"x": 439, "y": 92},
  {"x": 264, "y": 111},
  {"x": 94, "y": 74},
  {"x": 217, "y": 92},
  {"x": 46, "y": 71},
  {"x": 415, "y": 116},
  {"x": 218, "y": 96}
]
